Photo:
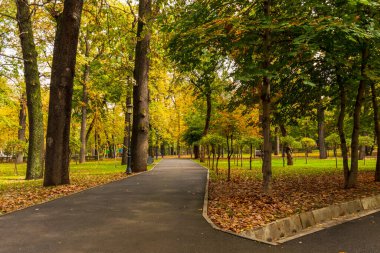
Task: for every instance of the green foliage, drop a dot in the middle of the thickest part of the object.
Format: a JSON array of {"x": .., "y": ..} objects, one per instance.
[
  {"x": 212, "y": 140},
  {"x": 15, "y": 146},
  {"x": 287, "y": 140},
  {"x": 193, "y": 135},
  {"x": 254, "y": 141},
  {"x": 308, "y": 143},
  {"x": 333, "y": 140},
  {"x": 366, "y": 141}
]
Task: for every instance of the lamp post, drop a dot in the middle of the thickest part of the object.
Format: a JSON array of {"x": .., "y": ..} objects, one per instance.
[{"x": 129, "y": 112}]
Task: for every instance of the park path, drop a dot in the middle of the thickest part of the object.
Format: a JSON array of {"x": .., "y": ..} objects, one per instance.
[{"x": 154, "y": 212}]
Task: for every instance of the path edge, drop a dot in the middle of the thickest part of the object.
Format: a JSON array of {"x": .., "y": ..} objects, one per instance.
[
  {"x": 71, "y": 194},
  {"x": 304, "y": 231},
  {"x": 212, "y": 224}
]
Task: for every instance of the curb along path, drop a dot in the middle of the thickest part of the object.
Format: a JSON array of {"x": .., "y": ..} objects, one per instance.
[{"x": 158, "y": 211}]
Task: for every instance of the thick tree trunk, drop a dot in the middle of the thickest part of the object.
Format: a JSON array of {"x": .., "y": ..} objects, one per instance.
[
  {"x": 86, "y": 75},
  {"x": 196, "y": 151},
  {"x": 140, "y": 129},
  {"x": 61, "y": 90},
  {"x": 33, "y": 91},
  {"x": 352, "y": 178},
  {"x": 266, "y": 104},
  {"x": 321, "y": 131},
  {"x": 22, "y": 127},
  {"x": 377, "y": 129}
]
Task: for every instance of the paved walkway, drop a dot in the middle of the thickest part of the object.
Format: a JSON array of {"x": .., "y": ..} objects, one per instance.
[{"x": 158, "y": 211}]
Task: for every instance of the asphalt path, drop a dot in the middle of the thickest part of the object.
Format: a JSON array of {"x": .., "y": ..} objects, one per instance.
[{"x": 157, "y": 212}]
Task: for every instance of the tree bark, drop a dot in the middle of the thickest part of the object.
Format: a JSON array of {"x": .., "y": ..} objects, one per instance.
[
  {"x": 196, "y": 151},
  {"x": 277, "y": 142},
  {"x": 377, "y": 129},
  {"x": 33, "y": 91},
  {"x": 61, "y": 90},
  {"x": 86, "y": 75},
  {"x": 127, "y": 130},
  {"x": 22, "y": 127},
  {"x": 140, "y": 129},
  {"x": 352, "y": 177},
  {"x": 286, "y": 148},
  {"x": 230, "y": 151},
  {"x": 90, "y": 128},
  {"x": 266, "y": 103},
  {"x": 342, "y": 135},
  {"x": 321, "y": 131}
]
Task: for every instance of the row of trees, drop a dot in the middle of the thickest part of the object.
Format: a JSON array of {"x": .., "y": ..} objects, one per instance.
[
  {"x": 194, "y": 71},
  {"x": 295, "y": 59}
]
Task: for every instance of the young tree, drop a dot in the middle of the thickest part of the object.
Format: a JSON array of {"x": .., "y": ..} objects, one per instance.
[
  {"x": 333, "y": 141},
  {"x": 308, "y": 144},
  {"x": 365, "y": 141},
  {"x": 253, "y": 143},
  {"x": 61, "y": 90},
  {"x": 287, "y": 143},
  {"x": 33, "y": 91}
]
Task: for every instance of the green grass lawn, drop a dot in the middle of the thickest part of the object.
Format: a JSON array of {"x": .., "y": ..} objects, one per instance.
[
  {"x": 91, "y": 168},
  {"x": 314, "y": 166}
]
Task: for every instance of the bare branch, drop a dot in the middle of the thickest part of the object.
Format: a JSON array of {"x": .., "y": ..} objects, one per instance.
[{"x": 11, "y": 57}]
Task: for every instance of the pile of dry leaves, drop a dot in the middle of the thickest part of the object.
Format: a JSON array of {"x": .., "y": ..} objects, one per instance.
[
  {"x": 240, "y": 205},
  {"x": 18, "y": 196}
]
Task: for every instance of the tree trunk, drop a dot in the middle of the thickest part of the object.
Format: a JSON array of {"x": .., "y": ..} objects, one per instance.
[
  {"x": 127, "y": 130},
  {"x": 377, "y": 129},
  {"x": 286, "y": 148},
  {"x": 61, "y": 90},
  {"x": 352, "y": 178},
  {"x": 250, "y": 156},
  {"x": 230, "y": 151},
  {"x": 277, "y": 142},
  {"x": 196, "y": 151},
  {"x": 321, "y": 131},
  {"x": 90, "y": 128},
  {"x": 33, "y": 91},
  {"x": 140, "y": 129},
  {"x": 266, "y": 104},
  {"x": 342, "y": 135},
  {"x": 86, "y": 75},
  {"x": 22, "y": 127}
]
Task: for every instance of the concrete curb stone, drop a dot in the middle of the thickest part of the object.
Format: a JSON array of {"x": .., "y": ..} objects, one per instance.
[{"x": 278, "y": 231}]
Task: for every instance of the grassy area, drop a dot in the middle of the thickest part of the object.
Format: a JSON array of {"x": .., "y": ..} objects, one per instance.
[
  {"x": 314, "y": 166},
  {"x": 7, "y": 174},
  {"x": 240, "y": 204}
]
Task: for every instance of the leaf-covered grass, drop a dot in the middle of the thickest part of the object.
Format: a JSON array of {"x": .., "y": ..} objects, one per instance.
[
  {"x": 240, "y": 204},
  {"x": 17, "y": 193}
]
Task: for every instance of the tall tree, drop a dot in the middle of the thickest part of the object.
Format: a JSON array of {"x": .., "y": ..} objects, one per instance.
[
  {"x": 86, "y": 75},
  {"x": 33, "y": 91},
  {"x": 377, "y": 128},
  {"x": 140, "y": 128},
  {"x": 61, "y": 89}
]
